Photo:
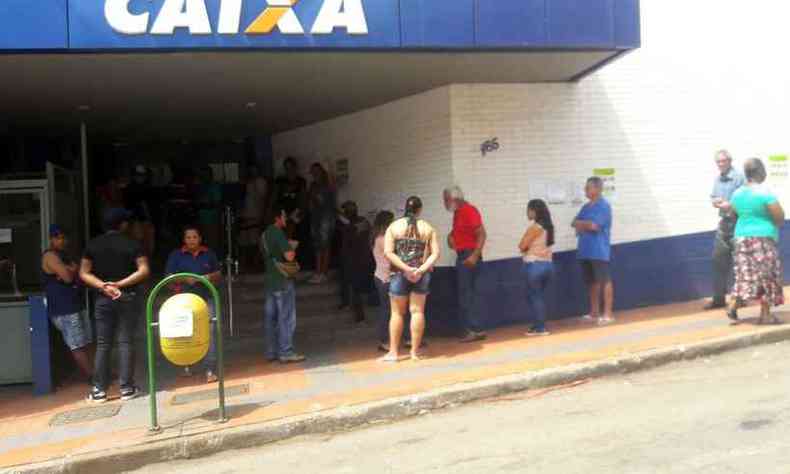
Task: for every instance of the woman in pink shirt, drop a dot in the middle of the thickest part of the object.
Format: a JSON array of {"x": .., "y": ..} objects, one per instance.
[
  {"x": 536, "y": 249},
  {"x": 382, "y": 276}
]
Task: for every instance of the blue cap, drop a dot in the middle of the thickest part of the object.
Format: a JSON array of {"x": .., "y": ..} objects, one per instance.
[
  {"x": 113, "y": 217},
  {"x": 55, "y": 230}
]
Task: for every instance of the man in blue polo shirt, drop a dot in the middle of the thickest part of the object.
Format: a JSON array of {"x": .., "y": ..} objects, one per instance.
[
  {"x": 593, "y": 227},
  {"x": 194, "y": 257}
]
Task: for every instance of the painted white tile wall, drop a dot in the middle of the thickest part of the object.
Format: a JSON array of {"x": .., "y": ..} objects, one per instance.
[
  {"x": 394, "y": 151},
  {"x": 715, "y": 76}
]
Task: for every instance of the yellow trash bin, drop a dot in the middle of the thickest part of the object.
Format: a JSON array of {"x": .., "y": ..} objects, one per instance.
[{"x": 184, "y": 329}]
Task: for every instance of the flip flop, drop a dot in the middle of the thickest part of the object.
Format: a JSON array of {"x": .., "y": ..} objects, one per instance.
[{"x": 770, "y": 321}]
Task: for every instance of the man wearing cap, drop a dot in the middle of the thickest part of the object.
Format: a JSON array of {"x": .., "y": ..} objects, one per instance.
[
  {"x": 64, "y": 302},
  {"x": 114, "y": 265}
]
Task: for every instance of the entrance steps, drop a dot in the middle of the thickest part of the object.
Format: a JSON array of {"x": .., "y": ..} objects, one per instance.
[{"x": 320, "y": 325}]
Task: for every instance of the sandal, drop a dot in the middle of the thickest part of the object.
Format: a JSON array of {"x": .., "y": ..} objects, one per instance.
[{"x": 769, "y": 321}]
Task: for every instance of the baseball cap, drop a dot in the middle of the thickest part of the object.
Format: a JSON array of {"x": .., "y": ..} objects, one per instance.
[
  {"x": 55, "y": 230},
  {"x": 115, "y": 216}
]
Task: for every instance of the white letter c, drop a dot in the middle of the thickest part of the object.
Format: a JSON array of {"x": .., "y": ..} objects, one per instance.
[{"x": 122, "y": 20}]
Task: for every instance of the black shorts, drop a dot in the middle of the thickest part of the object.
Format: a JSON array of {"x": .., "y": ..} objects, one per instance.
[{"x": 595, "y": 271}]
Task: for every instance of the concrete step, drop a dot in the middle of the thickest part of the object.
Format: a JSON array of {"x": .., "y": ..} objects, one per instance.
[{"x": 251, "y": 294}]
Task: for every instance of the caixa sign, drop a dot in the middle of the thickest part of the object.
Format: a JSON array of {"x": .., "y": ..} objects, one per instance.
[{"x": 192, "y": 16}]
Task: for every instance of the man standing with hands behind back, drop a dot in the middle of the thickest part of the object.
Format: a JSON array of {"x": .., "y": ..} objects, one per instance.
[
  {"x": 726, "y": 183},
  {"x": 114, "y": 265},
  {"x": 467, "y": 238}
]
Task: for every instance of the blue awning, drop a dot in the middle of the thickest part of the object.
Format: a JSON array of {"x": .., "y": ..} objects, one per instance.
[{"x": 387, "y": 25}]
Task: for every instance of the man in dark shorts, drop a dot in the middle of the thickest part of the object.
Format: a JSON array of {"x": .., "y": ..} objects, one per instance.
[
  {"x": 64, "y": 300},
  {"x": 593, "y": 227},
  {"x": 114, "y": 266}
]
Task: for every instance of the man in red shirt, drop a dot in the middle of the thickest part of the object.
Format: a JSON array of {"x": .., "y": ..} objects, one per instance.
[{"x": 467, "y": 239}]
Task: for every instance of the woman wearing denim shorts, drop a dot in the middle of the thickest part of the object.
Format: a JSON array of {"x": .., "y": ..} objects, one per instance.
[{"x": 412, "y": 247}]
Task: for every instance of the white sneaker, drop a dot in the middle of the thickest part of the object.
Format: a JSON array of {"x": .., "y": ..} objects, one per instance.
[
  {"x": 587, "y": 317},
  {"x": 605, "y": 321}
]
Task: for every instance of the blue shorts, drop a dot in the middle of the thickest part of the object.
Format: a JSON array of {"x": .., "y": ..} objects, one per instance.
[
  {"x": 400, "y": 286},
  {"x": 75, "y": 328},
  {"x": 595, "y": 271}
]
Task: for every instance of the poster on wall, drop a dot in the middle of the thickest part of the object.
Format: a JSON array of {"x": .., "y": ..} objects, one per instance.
[
  {"x": 778, "y": 167},
  {"x": 6, "y": 236},
  {"x": 557, "y": 192},
  {"x": 341, "y": 172},
  {"x": 607, "y": 175},
  {"x": 576, "y": 192}
]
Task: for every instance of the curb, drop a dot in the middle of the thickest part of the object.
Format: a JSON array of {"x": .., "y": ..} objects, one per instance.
[{"x": 205, "y": 444}]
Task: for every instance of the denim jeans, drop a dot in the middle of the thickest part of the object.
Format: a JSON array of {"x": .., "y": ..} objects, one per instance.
[
  {"x": 280, "y": 321},
  {"x": 538, "y": 275},
  {"x": 467, "y": 292},
  {"x": 383, "y": 325},
  {"x": 115, "y": 320},
  {"x": 723, "y": 251}
]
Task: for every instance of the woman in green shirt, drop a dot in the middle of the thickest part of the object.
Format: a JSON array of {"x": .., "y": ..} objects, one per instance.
[{"x": 758, "y": 266}]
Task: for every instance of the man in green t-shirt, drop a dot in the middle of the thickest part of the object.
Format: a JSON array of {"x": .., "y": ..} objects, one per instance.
[{"x": 280, "y": 310}]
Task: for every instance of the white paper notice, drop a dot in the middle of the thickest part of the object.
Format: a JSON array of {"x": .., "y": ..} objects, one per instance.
[
  {"x": 557, "y": 192},
  {"x": 176, "y": 323},
  {"x": 6, "y": 236},
  {"x": 538, "y": 189}
]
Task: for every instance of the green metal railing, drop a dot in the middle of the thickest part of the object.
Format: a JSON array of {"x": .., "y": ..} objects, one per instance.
[{"x": 217, "y": 319}]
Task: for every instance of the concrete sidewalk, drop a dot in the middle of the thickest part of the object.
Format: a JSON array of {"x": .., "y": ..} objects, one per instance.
[{"x": 336, "y": 381}]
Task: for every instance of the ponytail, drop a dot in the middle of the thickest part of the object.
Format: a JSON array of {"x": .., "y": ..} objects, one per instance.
[{"x": 412, "y": 210}]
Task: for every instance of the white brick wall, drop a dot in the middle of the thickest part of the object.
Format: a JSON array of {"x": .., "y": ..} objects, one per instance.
[
  {"x": 394, "y": 151},
  {"x": 714, "y": 77}
]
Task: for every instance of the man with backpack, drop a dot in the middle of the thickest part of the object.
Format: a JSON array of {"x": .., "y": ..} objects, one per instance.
[{"x": 280, "y": 310}]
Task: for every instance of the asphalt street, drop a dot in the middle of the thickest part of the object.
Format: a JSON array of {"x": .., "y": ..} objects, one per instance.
[{"x": 725, "y": 414}]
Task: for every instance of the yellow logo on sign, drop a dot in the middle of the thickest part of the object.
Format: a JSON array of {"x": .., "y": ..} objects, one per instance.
[{"x": 272, "y": 16}]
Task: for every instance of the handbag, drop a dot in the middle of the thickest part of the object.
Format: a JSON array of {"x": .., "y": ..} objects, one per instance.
[{"x": 287, "y": 269}]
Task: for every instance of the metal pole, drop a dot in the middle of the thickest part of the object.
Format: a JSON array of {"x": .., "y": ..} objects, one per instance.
[
  {"x": 229, "y": 264},
  {"x": 220, "y": 356},
  {"x": 85, "y": 189},
  {"x": 149, "y": 331},
  {"x": 85, "y": 206}
]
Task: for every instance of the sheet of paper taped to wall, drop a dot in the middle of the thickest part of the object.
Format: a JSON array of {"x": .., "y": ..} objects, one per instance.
[{"x": 176, "y": 323}]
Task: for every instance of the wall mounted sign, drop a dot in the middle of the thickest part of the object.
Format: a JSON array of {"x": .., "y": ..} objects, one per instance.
[
  {"x": 778, "y": 168},
  {"x": 316, "y": 24},
  {"x": 193, "y": 15},
  {"x": 607, "y": 175},
  {"x": 341, "y": 172},
  {"x": 135, "y": 24},
  {"x": 489, "y": 146}
]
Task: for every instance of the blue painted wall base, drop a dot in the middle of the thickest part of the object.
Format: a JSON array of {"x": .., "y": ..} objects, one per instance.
[
  {"x": 39, "y": 346},
  {"x": 645, "y": 273}
]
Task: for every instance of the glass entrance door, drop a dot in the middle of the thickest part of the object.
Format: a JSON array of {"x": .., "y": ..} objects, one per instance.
[
  {"x": 24, "y": 218},
  {"x": 65, "y": 195}
]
